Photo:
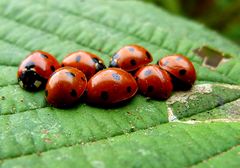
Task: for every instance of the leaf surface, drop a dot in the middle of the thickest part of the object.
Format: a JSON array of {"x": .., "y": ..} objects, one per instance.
[{"x": 138, "y": 134}]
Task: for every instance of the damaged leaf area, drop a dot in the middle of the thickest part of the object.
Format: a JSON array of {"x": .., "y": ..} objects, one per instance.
[
  {"x": 201, "y": 98},
  {"x": 141, "y": 132},
  {"x": 229, "y": 112},
  {"x": 211, "y": 57}
]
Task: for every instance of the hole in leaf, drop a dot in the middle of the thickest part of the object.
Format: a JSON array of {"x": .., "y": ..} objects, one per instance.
[{"x": 211, "y": 57}]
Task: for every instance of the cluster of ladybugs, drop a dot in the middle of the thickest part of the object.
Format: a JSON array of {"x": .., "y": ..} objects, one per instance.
[{"x": 83, "y": 74}]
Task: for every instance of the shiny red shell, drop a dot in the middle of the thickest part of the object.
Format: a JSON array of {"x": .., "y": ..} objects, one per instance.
[
  {"x": 154, "y": 82},
  {"x": 131, "y": 58},
  {"x": 87, "y": 62},
  {"x": 179, "y": 67},
  {"x": 65, "y": 87},
  {"x": 111, "y": 86},
  {"x": 35, "y": 70}
]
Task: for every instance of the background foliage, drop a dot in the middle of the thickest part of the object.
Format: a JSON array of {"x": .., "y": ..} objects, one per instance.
[{"x": 221, "y": 15}]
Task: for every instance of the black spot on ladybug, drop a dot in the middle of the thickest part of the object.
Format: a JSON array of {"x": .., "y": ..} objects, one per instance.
[
  {"x": 182, "y": 72},
  {"x": 129, "y": 89},
  {"x": 104, "y": 95},
  {"x": 133, "y": 62},
  {"x": 116, "y": 76},
  {"x": 62, "y": 65},
  {"x": 44, "y": 56},
  {"x": 136, "y": 78},
  {"x": 179, "y": 58},
  {"x": 147, "y": 72},
  {"x": 52, "y": 68},
  {"x": 113, "y": 63},
  {"x": 148, "y": 55},
  {"x": 30, "y": 65},
  {"x": 131, "y": 49},
  {"x": 78, "y": 58},
  {"x": 165, "y": 63},
  {"x": 73, "y": 93},
  {"x": 70, "y": 74},
  {"x": 150, "y": 88},
  {"x": 46, "y": 93}
]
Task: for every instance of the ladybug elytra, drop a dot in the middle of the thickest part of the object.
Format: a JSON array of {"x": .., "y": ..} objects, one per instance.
[
  {"x": 35, "y": 70},
  {"x": 87, "y": 62},
  {"x": 131, "y": 58},
  {"x": 154, "y": 82},
  {"x": 65, "y": 87},
  {"x": 111, "y": 86},
  {"x": 181, "y": 70}
]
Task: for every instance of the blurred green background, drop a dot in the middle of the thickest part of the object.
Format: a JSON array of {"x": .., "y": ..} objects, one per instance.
[{"x": 220, "y": 15}]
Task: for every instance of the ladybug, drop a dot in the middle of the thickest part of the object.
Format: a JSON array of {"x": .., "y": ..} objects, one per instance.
[
  {"x": 87, "y": 62},
  {"x": 65, "y": 87},
  {"x": 35, "y": 70},
  {"x": 154, "y": 82},
  {"x": 111, "y": 86},
  {"x": 131, "y": 58},
  {"x": 181, "y": 70}
]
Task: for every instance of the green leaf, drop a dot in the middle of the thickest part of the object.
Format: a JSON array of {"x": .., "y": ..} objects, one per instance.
[
  {"x": 138, "y": 134},
  {"x": 167, "y": 145}
]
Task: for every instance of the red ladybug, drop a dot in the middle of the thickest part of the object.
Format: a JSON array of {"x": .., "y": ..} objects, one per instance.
[
  {"x": 87, "y": 62},
  {"x": 65, "y": 87},
  {"x": 181, "y": 70},
  {"x": 35, "y": 70},
  {"x": 111, "y": 86},
  {"x": 131, "y": 58},
  {"x": 154, "y": 82}
]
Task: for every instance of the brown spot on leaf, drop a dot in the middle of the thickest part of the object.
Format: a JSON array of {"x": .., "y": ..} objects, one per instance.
[{"x": 47, "y": 140}]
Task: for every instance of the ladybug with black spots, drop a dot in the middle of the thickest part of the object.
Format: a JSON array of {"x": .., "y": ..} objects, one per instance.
[
  {"x": 130, "y": 58},
  {"x": 85, "y": 61},
  {"x": 111, "y": 86},
  {"x": 154, "y": 82},
  {"x": 35, "y": 70},
  {"x": 181, "y": 70},
  {"x": 65, "y": 87}
]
